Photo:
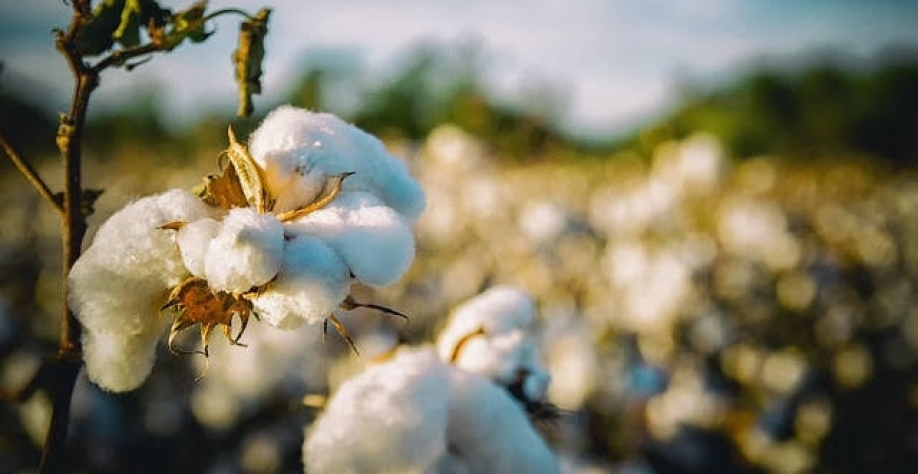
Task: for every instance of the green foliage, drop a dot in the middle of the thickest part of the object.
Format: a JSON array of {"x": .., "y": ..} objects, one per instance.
[
  {"x": 124, "y": 22},
  {"x": 432, "y": 87},
  {"x": 822, "y": 110},
  {"x": 97, "y": 35}
]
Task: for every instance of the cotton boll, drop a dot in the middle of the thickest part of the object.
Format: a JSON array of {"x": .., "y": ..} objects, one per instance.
[
  {"x": 497, "y": 358},
  {"x": 120, "y": 362},
  {"x": 312, "y": 282},
  {"x": 247, "y": 251},
  {"x": 299, "y": 150},
  {"x": 489, "y": 430},
  {"x": 193, "y": 240},
  {"x": 120, "y": 281},
  {"x": 390, "y": 418},
  {"x": 375, "y": 242},
  {"x": 489, "y": 335},
  {"x": 120, "y": 319},
  {"x": 498, "y": 310},
  {"x": 133, "y": 244}
]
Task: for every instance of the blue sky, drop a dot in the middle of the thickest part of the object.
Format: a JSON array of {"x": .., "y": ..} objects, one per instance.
[{"x": 616, "y": 62}]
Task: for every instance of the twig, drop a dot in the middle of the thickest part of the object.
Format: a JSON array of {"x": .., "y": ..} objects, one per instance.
[
  {"x": 66, "y": 366},
  {"x": 31, "y": 175}
]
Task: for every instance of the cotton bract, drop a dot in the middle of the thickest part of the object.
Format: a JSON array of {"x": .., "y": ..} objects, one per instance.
[{"x": 313, "y": 206}]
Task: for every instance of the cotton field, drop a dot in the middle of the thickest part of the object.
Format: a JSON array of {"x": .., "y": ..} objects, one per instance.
[{"x": 691, "y": 313}]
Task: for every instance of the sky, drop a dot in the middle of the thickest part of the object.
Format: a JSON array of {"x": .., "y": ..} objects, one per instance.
[{"x": 616, "y": 63}]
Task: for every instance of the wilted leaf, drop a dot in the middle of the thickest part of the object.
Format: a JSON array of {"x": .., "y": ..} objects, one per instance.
[
  {"x": 188, "y": 23},
  {"x": 248, "y": 58},
  {"x": 97, "y": 35}
]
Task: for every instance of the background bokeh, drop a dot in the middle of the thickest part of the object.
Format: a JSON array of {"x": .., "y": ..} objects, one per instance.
[{"x": 726, "y": 288}]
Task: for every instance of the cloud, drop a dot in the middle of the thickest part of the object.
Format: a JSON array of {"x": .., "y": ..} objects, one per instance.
[{"x": 618, "y": 60}]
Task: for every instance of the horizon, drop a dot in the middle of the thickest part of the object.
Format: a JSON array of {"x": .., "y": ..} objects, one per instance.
[{"x": 604, "y": 60}]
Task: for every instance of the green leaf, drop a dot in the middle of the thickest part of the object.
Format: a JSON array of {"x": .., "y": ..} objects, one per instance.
[
  {"x": 97, "y": 35},
  {"x": 248, "y": 58},
  {"x": 128, "y": 32}
]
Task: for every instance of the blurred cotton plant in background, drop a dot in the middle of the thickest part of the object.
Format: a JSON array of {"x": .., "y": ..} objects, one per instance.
[
  {"x": 281, "y": 235},
  {"x": 458, "y": 408}
]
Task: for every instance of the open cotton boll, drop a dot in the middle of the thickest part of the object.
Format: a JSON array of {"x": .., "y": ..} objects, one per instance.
[
  {"x": 415, "y": 414},
  {"x": 489, "y": 432},
  {"x": 299, "y": 150},
  {"x": 498, "y": 357},
  {"x": 120, "y": 362},
  {"x": 121, "y": 323},
  {"x": 132, "y": 244},
  {"x": 117, "y": 286},
  {"x": 312, "y": 282},
  {"x": 246, "y": 252},
  {"x": 496, "y": 311},
  {"x": 392, "y": 417},
  {"x": 493, "y": 330},
  {"x": 374, "y": 240},
  {"x": 193, "y": 240}
]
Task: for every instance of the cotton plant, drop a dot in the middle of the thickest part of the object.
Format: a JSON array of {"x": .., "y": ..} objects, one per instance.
[
  {"x": 460, "y": 407},
  {"x": 309, "y": 207}
]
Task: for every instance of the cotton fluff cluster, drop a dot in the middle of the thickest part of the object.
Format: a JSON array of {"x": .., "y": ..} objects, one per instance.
[
  {"x": 490, "y": 335},
  {"x": 302, "y": 266},
  {"x": 119, "y": 283},
  {"x": 419, "y": 413}
]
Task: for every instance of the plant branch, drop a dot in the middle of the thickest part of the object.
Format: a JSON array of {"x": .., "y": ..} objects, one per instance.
[
  {"x": 227, "y": 11},
  {"x": 122, "y": 56},
  {"x": 31, "y": 175},
  {"x": 66, "y": 366}
]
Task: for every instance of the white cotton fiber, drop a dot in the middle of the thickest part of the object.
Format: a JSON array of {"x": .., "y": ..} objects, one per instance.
[
  {"x": 120, "y": 362},
  {"x": 117, "y": 286},
  {"x": 489, "y": 432},
  {"x": 375, "y": 242},
  {"x": 390, "y": 418},
  {"x": 498, "y": 310},
  {"x": 247, "y": 251},
  {"x": 490, "y": 335},
  {"x": 134, "y": 245},
  {"x": 312, "y": 282},
  {"x": 415, "y": 414},
  {"x": 193, "y": 240},
  {"x": 299, "y": 150}
]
